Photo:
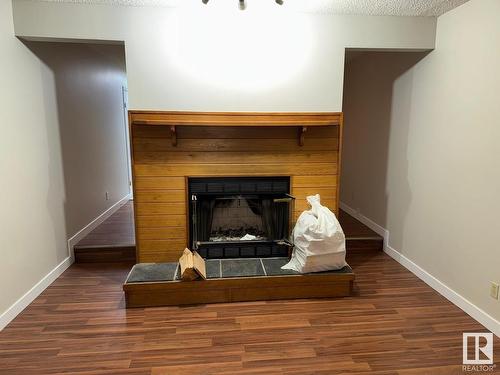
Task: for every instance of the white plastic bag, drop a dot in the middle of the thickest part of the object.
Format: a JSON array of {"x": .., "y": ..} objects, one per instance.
[{"x": 319, "y": 241}]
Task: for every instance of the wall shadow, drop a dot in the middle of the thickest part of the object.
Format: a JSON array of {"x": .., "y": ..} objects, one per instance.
[
  {"x": 377, "y": 107},
  {"x": 88, "y": 80}
]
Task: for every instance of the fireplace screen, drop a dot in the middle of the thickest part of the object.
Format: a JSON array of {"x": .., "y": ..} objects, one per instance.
[{"x": 240, "y": 217}]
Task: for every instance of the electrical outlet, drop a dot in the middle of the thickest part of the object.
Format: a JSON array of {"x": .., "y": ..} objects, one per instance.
[
  {"x": 494, "y": 290},
  {"x": 107, "y": 195}
]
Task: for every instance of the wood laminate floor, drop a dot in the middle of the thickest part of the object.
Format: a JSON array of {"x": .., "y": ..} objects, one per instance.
[
  {"x": 117, "y": 230},
  {"x": 354, "y": 228},
  {"x": 395, "y": 324}
]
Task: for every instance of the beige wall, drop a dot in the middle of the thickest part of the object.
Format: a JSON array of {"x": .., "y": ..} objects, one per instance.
[
  {"x": 62, "y": 147},
  {"x": 217, "y": 58},
  {"x": 32, "y": 223},
  {"x": 88, "y": 82},
  {"x": 421, "y": 150}
]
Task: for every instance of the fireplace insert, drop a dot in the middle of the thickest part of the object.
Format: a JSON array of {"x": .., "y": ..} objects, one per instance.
[{"x": 240, "y": 217}]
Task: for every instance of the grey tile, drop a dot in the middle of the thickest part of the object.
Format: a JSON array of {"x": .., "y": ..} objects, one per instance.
[
  {"x": 151, "y": 272},
  {"x": 273, "y": 267},
  {"x": 345, "y": 269},
  {"x": 242, "y": 267},
  {"x": 144, "y": 272},
  {"x": 212, "y": 266}
]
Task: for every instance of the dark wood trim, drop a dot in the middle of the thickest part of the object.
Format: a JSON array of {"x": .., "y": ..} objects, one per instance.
[
  {"x": 134, "y": 186},
  {"x": 238, "y": 289},
  {"x": 339, "y": 160},
  {"x": 188, "y": 204}
]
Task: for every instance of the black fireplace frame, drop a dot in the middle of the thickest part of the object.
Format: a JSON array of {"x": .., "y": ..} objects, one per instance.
[{"x": 275, "y": 187}]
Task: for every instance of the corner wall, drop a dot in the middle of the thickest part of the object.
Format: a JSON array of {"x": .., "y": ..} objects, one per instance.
[
  {"x": 32, "y": 222},
  {"x": 62, "y": 147},
  {"x": 88, "y": 82},
  {"x": 421, "y": 152}
]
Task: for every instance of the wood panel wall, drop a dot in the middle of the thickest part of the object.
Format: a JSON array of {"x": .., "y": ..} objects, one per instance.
[{"x": 161, "y": 169}]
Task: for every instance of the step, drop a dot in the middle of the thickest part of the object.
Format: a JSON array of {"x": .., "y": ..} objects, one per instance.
[
  {"x": 126, "y": 253},
  {"x": 105, "y": 253},
  {"x": 231, "y": 280},
  {"x": 362, "y": 244}
]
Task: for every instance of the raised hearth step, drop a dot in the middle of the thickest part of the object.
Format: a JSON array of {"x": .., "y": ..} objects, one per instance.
[
  {"x": 216, "y": 269},
  {"x": 231, "y": 280}
]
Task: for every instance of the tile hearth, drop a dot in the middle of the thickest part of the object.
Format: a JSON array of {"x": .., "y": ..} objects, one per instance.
[{"x": 216, "y": 269}]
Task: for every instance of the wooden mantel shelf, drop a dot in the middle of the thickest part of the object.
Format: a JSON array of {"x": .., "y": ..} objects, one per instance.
[
  {"x": 300, "y": 120},
  {"x": 235, "y": 118}
]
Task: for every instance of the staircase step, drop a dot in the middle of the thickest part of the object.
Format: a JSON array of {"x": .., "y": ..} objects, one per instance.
[
  {"x": 364, "y": 244},
  {"x": 359, "y": 238},
  {"x": 126, "y": 253},
  {"x": 105, "y": 254}
]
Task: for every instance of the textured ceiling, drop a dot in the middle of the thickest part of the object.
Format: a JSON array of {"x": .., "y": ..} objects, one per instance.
[{"x": 369, "y": 7}]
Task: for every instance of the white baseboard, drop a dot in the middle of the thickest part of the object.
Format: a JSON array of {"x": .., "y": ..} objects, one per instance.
[
  {"x": 94, "y": 224},
  {"x": 475, "y": 312},
  {"x": 458, "y": 300},
  {"x": 18, "y": 306}
]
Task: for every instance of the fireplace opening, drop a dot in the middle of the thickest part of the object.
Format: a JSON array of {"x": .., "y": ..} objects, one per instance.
[{"x": 239, "y": 217}]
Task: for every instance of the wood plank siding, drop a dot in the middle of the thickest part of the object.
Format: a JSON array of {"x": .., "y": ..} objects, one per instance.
[{"x": 161, "y": 167}]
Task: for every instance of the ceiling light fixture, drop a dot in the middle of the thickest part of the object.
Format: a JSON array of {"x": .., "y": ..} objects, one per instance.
[{"x": 242, "y": 4}]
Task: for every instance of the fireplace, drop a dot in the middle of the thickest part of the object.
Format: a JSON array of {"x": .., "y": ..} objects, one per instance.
[
  {"x": 240, "y": 217},
  {"x": 172, "y": 150}
]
